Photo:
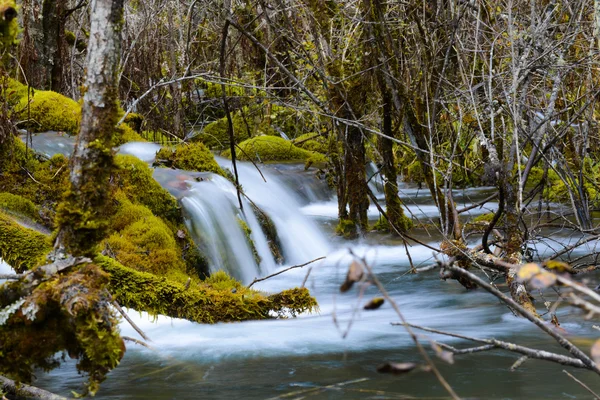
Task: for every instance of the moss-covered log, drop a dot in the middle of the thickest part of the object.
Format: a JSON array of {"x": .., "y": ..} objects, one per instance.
[{"x": 219, "y": 298}]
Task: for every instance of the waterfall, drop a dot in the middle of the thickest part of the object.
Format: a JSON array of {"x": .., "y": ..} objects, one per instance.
[{"x": 300, "y": 238}]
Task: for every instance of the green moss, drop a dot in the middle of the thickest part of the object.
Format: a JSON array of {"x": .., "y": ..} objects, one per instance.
[
  {"x": 135, "y": 121},
  {"x": 248, "y": 234},
  {"x": 134, "y": 178},
  {"x": 20, "y": 205},
  {"x": 125, "y": 134},
  {"x": 273, "y": 148},
  {"x": 67, "y": 313},
  {"x": 22, "y": 248},
  {"x": 147, "y": 245},
  {"x": 9, "y": 28},
  {"x": 479, "y": 223},
  {"x": 79, "y": 43},
  {"x": 190, "y": 157},
  {"x": 216, "y": 134},
  {"x": 49, "y": 111},
  {"x": 213, "y": 300},
  {"x": 312, "y": 142},
  {"x": 346, "y": 228}
]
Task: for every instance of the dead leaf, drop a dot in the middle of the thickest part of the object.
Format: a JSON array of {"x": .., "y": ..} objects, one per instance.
[
  {"x": 528, "y": 271},
  {"x": 595, "y": 352},
  {"x": 396, "y": 368},
  {"x": 374, "y": 304},
  {"x": 355, "y": 274}
]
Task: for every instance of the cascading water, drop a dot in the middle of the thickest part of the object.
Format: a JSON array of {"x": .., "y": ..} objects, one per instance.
[{"x": 300, "y": 238}]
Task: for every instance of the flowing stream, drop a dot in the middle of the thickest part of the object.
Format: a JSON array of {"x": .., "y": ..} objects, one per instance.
[{"x": 341, "y": 346}]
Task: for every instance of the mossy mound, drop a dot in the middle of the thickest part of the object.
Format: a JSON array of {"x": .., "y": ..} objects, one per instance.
[
  {"x": 125, "y": 134},
  {"x": 134, "y": 178},
  {"x": 22, "y": 248},
  {"x": 20, "y": 205},
  {"x": 190, "y": 157},
  {"x": 219, "y": 298},
  {"x": 312, "y": 142},
  {"x": 216, "y": 134},
  {"x": 67, "y": 314},
  {"x": 273, "y": 148},
  {"x": 144, "y": 242},
  {"x": 41, "y": 182},
  {"x": 347, "y": 229},
  {"x": 49, "y": 111}
]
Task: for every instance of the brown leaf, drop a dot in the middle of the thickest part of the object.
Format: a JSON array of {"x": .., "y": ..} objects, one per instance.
[
  {"x": 595, "y": 352},
  {"x": 374, "y": 304},
  {"x": 355, "y": 274},
  {"x": 396, "y": 368}
]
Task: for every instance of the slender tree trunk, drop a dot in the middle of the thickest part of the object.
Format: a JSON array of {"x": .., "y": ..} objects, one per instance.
[
  {"x": 81, "y": 214},
  {"x": 395, "y": 212}
]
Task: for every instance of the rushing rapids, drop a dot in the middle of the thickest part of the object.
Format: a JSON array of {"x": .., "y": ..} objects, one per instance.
[{"x": 265, "y": 359}]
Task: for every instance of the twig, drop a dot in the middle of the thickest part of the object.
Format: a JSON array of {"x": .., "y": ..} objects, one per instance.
[
  {"x": 586, "y": 387},
  {"x": 518, "y": 363},
  {"x": 136, "y": 341},
  {"x": 407, "y": 326},
  {"x": 26, "y": 391},
  {"x": 318, "y": 388},
  {"x": 14, "y": 277},
  {"x": 284, "y": 270},
  {"x": 529, "y": 352},
  {"x": 133, "y": 325},
  {"x": 562, "y": 341}
]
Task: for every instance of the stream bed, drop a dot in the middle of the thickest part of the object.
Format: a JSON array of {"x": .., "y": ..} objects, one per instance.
[{"x": 334, "y": 354}]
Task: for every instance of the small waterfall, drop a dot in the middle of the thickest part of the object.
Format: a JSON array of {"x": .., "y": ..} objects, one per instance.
[
  {"x": 213, "y": 218},
  {"x": 300, "y": 238},
  {"x": 375, "y": 179}
]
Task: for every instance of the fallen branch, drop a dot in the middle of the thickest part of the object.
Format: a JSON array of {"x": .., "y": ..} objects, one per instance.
[
  {"x": 27, "y": 391},
  {"x": 562, "y": 341},
  {"x": 133, "y": 325},
  {"x": 284, "y": 270},
  {"x": 494, "y": 343}
]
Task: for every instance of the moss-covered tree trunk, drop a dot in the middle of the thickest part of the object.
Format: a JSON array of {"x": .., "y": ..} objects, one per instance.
[
  {"x": 80, "y": 215},
  {"x": 395, "y": 213}
]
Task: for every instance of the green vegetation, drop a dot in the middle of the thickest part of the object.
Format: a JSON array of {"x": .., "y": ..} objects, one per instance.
[
  {"x": 21, "y": 247},
  {"x": 67, "y": 314},
  {"x": 210, "y": 301},
  {"x": 20, "y": 205},
  {"x": 144, "y": 242},
  {"x": 190, "y": 157},
  {"x": 49, "y": 111},
  {"x": 134, "y": 178},
  {"x": 273, "y": 148}
]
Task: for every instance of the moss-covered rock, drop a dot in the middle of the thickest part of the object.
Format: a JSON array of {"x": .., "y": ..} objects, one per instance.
[
  {"x": 144, "y": 242},
  {"x": 49, "y": 111},
  {"x": 19, "y": 205},
  {"x": 216, "y": 134},
  {"x": 312, "y": 142},
  {"x": 134, "y": 178},
  {"x": 22, "y": 248},
  {"x": 219, "y": 298},
  {"x": 347, "y": 229},
  {"x": 190, "y": 157},
  {"x": 273, "y": 148}
]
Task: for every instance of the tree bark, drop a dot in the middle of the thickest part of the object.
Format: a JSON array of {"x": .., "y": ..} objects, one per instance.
[{"x": 81, "y": 214}]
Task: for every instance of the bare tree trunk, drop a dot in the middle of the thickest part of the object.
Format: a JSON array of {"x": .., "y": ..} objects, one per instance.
[
  {"x": 80, "y": 215},
  {"x": 43, "y": 36}
]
